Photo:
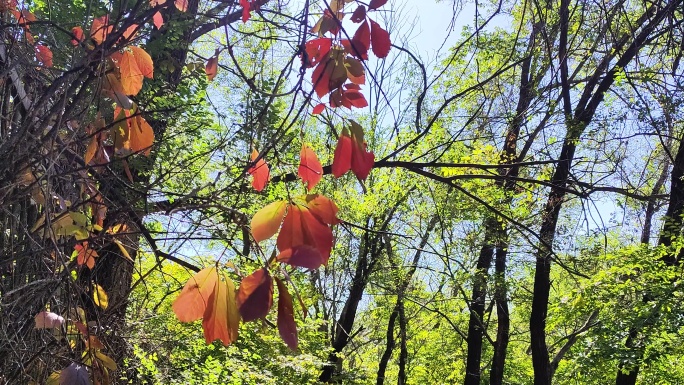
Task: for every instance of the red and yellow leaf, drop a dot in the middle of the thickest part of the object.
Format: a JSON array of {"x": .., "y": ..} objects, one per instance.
[
  {"x": 323, "y": 208},
  {"x": 310, "y": 169},
  {"x": 221, "y": 317},
  {"x": 259, "y": 172},
  {"x": 302, "y": 228},
  {"x": 266, "y": 221},
  {"x": 255, "y": 296},
  {"x": 286, "y": 323},
  {"x": 194, "y": 298},
  {"x": 304, "y": 256}
]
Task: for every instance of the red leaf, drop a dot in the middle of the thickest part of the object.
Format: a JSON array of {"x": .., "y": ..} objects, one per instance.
[
  {"x": 221, "y": 317},
  {"x": 78, "y": 35},
  {"x": 310, "y": 169},
  {"x": 343, "y": 154},
  {"x": 301, "y": 256},
  {"x": 316, "y": 50},
  {"x": 318, "y": 109},
  {"x": 355, "y": 98},
  {"x": 374, "y": 4},
  {"x": 361, "y": 41},
  {"x": 286, "y": 323},
  {"x": 193, "y": 299},
  {"x": 362, "y": 161},
  {"x": 359, "y": 14},
  {"x": 381, "y": 40},
  {"x": 245, "y": 10},
  {"x": 158, "y": 20},
  {"x": 212, "y": 66},
  {"x": 259, "y": 172},
  {"x": 255, "y": 296},
  {"x": 266, "y": 221},
  {"x": 44, "y": 55}
]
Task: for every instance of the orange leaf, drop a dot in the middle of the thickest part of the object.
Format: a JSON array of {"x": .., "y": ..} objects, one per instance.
[
  {"x": 141, "y": 135},
  {"x": 310, "y": 169},
  {"x": 44, "y": 55},
  {"x": 323, "y": 208},
  {"x": 193, "y": 299},
  {"x": 286, "y": 323},
  {"x": 182, "y": 5},
  {"x": 158, "y": 20},
  {"x": 129, "y": 73},
  {"x": 86, "y": 255},
  {"x": 100, "y": 29},
  {"x": 212, "y": 67},
  {"x": 255, "y": 296},
  {"x": 129, "y": 33},
  {"x": 302, "y": 228},
  {"x": 78, "y": 35},
  {"x": 221, "y": 317},
  {"x": 259, "y": 172},
  {"x": 343, "y": 153},
  {"x": 266, "y": 221},
  {"x": 144, "y": 61}
]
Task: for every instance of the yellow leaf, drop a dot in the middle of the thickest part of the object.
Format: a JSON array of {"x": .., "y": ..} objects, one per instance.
[
  {"x": 100, "y": 296},
  {"x": 105, "y": 360}
]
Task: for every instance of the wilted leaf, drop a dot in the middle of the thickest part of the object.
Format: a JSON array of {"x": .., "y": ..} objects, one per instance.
[
  {"x": 286, "y": 323},
  {"x": 380, "y": 39},
  {"x": 259, "y": 172},
  {"x": 255, "y": 296},
  {"x": 74, "y": 374},
  {"x": 48, "y": 320},
  {"x": 310, "y": 169},
  {"x": 221, "y": 318},
  {"x": 266, "y": 221},
  {"x": 193, "y": 299},
  {"x": 100, "y": 296}
]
